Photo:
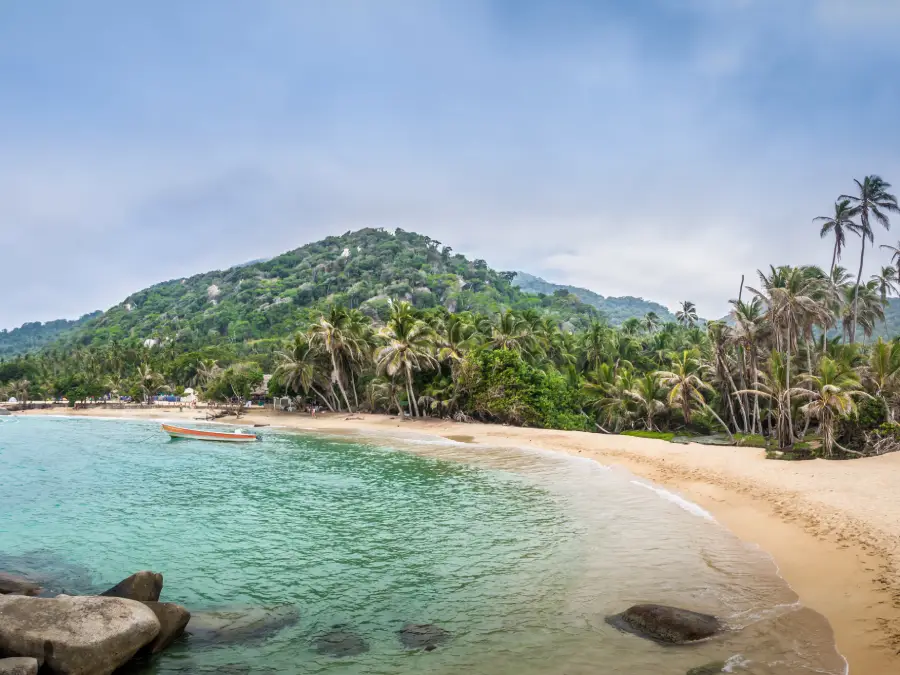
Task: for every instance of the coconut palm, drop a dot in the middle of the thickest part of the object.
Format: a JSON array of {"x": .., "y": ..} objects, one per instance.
[
  {"x": 510, "y": 331},
  {"x": 334, "y": 335},
  {"x": 651, "y": 321},
  {"x": 831, "y": 395},
  {"x": 751, "y": 329},
  {"x": 686, "y": 388},
  {"x": 886, "y": 282},
  {"x": 207, "y": 371},
  {"x": 872, "y": 201},
  {"x": 149, "y": 380},
  {"x": 895, "y": 257},
  {"x": 611, "y": 395},
  {"x": 648, "y": 395},
  {"x": 720, "y": 338},
  {"x": 687, "y": 315},
  {"x": 594, "y": 342},
  {"x": 631, "y": 326},
  {"x": 410, "y": 348},
  {"x": 883, "y": 372},
  {"x": 837, "y": 225},
  {"x": 865, "y": 301},
  {"x": 300, "y": 365}
]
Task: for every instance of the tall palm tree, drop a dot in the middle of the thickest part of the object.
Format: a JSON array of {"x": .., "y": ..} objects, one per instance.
[
  {"x": 687, "y": 315},
  {"x": 631, "y": 326},
  {"x": 409, "y": 348},
  {"x": 895, "y": 257},
  {"x": 207, "y": 371},
  {"x": 831, "y": 396},
  {"x": 510, "y": 331},
  {"x": 651, "y": 321},
  {"x": 886, "y": 282},
  {"x": 774, "y": 385},
  {"x": 720, "y": 337},
  {"x": 872, "y": 201},
  {"x": 883, "y": 372},
  {"x": 648, "y": 395},
  {"x": 333, "y": 333},
  {"x": 868, "y": 306},
  {"x": 300, "y": 366},
  {"x": 686, "y": 388},
  {"x": 148, "y": 380},
  {"x": 837, "y": 225},
  {"x": 751, "y": 328}
]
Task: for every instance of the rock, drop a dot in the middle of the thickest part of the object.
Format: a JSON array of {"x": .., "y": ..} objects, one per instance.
[
  {"x": 172, "y": 620},
  {"x": 54, "y": 573},
  {"x": 422, "y": 636},
  {"x": 239, "y": 624},
  {"x": 75, "y": 635},
  {"x": 141, "y": 586},
  {"x": 10, "y": 583},
  {"x": 4, "y": 411},
  {"x": 339, "y": 642},
  {"x": 713, "y": 668},
  {"x": 668, "y": 625},
  {"x": 20, "y": 665}
]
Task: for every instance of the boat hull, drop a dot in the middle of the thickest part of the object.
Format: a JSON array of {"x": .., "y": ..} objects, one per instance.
[{"x": 203, "y": 435}]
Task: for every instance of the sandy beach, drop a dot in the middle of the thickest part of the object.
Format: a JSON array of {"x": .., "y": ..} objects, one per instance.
[{"x": 833, "y": 528}]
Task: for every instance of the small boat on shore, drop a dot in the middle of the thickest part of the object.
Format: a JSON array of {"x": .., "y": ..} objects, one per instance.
[{"x": 237, "y": 436}]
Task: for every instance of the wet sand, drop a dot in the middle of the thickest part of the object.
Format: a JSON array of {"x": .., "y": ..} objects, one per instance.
[{"x": 833, "y": 528}]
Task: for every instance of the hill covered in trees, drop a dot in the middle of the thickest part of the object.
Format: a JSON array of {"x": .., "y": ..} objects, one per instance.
[
  {"x": 31, "y": 337},
  {"x": 272, "y": 298},
  {"x": 617, "y": 310}
]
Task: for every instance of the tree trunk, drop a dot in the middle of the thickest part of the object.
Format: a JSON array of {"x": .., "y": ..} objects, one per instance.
[
  {"x": 833, "y": 258},
  {"x": 721, "y": 421},
  {"x": 862, "y": 255},
  {"x": 412, "y": 393},
  {"x": 353, "y": 387},
  {"x": 740, "y": 401},
  {"x": 323, "y": 397},
  {"x": 336, "y": 377}
]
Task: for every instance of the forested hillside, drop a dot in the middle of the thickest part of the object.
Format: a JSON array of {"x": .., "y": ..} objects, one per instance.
[
  {"x": 272, "y": 298},
  {"x": 30, "y": 337},
  {"x": 616, "y": 309}
]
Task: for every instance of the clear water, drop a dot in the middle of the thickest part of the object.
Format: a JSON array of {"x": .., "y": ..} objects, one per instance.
[{"x": 518, "y": 554}]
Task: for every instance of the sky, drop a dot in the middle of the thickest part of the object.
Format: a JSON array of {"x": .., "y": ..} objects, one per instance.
[{"x": 657, "y": 148}]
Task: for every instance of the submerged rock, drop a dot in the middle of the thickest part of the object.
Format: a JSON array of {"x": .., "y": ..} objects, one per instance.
[
  {"x": 16, "y": 585},
  {"x": 172, "y": 621},
  {"x": 4, "y": 411},
  {"x": 142, "y": 586},
  {"x": 425, "y": 636},
  {"x": 669, "y": 625},
  {"x": 713, "y": 668},
  {"x": 75, "y": 635},
  {"x": 239, "y": 625},
  {"x": 340, "y": 642},
  {"x": 54, "y": 573},
  {"x": 19, "y": 665}
]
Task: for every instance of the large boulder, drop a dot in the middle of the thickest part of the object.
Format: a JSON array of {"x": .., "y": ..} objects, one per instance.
[
  {"x": 19, "y": 665},
  {"x": 172, "y": 621},
  {"x": 669, "y": 625},
  {"x": 75, "y": 635},
  {"x": 340, "y": 642},
  {"x": 239, "y": 624},
  {"x": 10, "y": 583},
  {"x": 142, "y": 586},
  {"x": 425, "y": 636}
]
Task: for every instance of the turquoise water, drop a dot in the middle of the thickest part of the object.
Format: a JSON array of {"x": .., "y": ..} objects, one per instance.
[{"x": 519, "y": 555}]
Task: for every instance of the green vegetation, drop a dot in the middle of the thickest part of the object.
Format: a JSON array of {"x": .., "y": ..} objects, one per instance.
[
  {"x": 643, "y": 433},
  {"x": 31, "y": 337},
  {"x": 394, "y": 322}
]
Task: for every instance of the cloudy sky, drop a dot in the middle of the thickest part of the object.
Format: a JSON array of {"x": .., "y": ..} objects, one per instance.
[{"x": 659, "y": 148}]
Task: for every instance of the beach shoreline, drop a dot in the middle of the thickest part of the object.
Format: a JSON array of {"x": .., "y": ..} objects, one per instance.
[{"x": 832, "y": 528}]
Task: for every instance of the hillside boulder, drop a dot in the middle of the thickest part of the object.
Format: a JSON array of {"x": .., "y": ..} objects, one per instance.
[
  {"x": 19, "y": 665},
  {"x": 75, "y": 635},
  {"x": 668, "y": 625},
  {"x": 16, "y": 585},
  {"x": 172, "y": 621},
  {"x": 142, "y": 586}
]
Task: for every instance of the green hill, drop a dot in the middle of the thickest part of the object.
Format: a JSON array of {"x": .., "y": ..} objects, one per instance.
[
  {"x": 31, "y": 337},
  {"x": 616, "y": 309},
  {"x": 273, "y": 298}
]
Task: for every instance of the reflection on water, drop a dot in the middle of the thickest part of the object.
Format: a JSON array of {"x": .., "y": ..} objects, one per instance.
[{"x": 518, "y": 554}]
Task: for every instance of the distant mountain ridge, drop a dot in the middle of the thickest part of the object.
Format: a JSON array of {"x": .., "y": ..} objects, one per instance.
[
  {"x": 31, "y": 337},
  {"x": 616, "y": 309}
]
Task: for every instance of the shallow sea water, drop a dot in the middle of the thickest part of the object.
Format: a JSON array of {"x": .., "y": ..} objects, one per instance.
[{"x": 519, "y": 554}]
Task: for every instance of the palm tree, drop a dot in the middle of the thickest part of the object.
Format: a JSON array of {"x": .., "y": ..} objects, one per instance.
[
  {"x": 300, "y": 365},
  {"x": 631, "y": 326},
  {"x": 334, "y": 335},
  {"x": 831, "y": 396},
  {"x": 594, "y": 344},
  {"x": 410, "y": 347},
  {"x": 207, "y": 371},
  {"x": 838, "y": 225},
  {"x": 869, "y": 308},
  {"x": 512, "y": 332},
  {"x": 720, "y": 336},
  {"x": 883, "y": 372},
  {"x": 651, "y": 321},
  {"x": 751, "y": 329},
  {"x": 872, "y": 201},
  {"x": 886, "y": 282},
  {"x": 612, "y": 397},
  {"x": 686, "y": 388},
  {"x": 648, "y": 394},
  {"x": 148, "y": 380},
  {"x": 687, "y": 315}
]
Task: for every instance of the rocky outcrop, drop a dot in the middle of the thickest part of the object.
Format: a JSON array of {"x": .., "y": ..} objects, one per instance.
[
  {"x": 425, "y": 636},
  {"x": 142, "y": 586},
  {"x": 669, "y": 625},
  {"x": 172, "y": 621},
  {"x": 239, "y": 625},
  {"x": 340, "y": 642},
  {"x": 20, "y": 665},
  {"x": 75, "y": 635},
  {"x": 16, "y": 585},
  {"x": 709, "y": 669}
]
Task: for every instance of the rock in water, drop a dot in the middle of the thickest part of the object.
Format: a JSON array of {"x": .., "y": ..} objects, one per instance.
[
  {"x": 425, "y": 636},
  {"x": 4, "y": 411},
  {"x": 339, "y": 642},
  {"x": 240, "y": 625},
  {"x": 709, "y": 669},
  {"x": 668, "y": 625},
  {"x": 75, "y": 635},
  {"x": 21, "y": 665},
  {"x": 172, "y": 620},
  {"x": 10, "y": 583},
  {"x": 141, "y": 586}
]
